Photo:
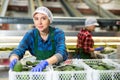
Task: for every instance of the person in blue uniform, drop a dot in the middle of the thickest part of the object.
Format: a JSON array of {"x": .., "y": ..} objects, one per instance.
[{"x": 45, "y": 42}]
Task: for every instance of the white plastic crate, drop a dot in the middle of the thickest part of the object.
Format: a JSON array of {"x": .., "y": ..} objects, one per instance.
[
  {"x": 73, "y": 75},
  {"x": 111, "y": 55},
  {"x": 27, "y": 75},
  {"x": 105, "y": 74},
  {"x": 117, "y": 61},
  {"x": 30, "y": 75},
  {"x": 86, "y": 74}
]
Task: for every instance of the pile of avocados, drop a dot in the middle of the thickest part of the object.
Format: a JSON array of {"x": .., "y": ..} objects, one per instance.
[
  {"x": 106, "y": 51},
  {"x": 68, "y": 68},
  {"x": 69, "y": 76},
  {"x": 100, "y": 66},
  {"x": 26, "y": 67}
]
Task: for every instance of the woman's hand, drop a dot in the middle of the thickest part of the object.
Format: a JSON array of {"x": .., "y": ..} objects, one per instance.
[
  {"x": 13, "y": 60},
  {"x": 42, "y": 65},
  {"x": 99, "y": 48},
  {"x": 12, "y": 63}
]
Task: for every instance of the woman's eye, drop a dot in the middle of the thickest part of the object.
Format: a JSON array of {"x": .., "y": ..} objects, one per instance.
[
  {"x": 44, "y": 18},
  {"x": 35, "y": 18}
]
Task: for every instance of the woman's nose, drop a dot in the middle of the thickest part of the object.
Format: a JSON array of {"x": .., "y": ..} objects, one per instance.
[{"x": 40, "y": 22}]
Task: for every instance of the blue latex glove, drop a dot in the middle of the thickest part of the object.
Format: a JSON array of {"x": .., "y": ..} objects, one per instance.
[
  {"x": 12, "y": 63},
  {"x": 42, "y": 65},
  {"x": 99, "y": 48}
]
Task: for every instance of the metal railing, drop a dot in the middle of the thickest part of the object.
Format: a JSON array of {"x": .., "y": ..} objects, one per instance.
[{"x": 60, "y": 21}]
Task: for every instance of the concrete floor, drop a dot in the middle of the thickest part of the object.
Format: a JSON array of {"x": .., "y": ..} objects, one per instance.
[{"x": 4, "y": 75}]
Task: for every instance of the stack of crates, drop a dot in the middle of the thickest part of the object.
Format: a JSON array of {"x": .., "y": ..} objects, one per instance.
[{"x": 88, "y": 73}]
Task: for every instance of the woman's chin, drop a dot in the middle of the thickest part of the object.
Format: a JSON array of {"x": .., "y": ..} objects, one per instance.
[{"x": 40, "y": 29}]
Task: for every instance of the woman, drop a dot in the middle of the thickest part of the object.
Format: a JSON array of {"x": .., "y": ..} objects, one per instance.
[
  {"x": 44, "y": 42},
  {"x": 85, "y": 42}
]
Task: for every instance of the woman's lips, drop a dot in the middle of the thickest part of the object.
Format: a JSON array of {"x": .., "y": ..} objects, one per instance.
[{"x": 40, "y": 26}]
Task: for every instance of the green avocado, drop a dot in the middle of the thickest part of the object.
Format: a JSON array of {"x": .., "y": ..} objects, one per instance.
[
  {"x": 18, "y": 67},
  {"x": 101, "y": 68},
  {"x": 29, "y": 63}
]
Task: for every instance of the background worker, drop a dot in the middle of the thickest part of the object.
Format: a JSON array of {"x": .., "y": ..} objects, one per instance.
[
  {"x": 44, "y": 42},
  {"x": 85, "y": 42}
]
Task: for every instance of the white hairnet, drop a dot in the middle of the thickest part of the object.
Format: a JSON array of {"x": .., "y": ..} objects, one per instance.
[
  {"x": 45, "y": 11},
  {"x": 90, "y": 22}
]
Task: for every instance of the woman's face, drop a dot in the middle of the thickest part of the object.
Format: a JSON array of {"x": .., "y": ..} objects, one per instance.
[
  {"x": 41, "y": 22},
  {"x": 91, "y": 28}
]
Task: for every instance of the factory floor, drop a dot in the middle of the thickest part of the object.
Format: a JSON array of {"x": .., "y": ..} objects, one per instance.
[{"x": 4, "y": 75}]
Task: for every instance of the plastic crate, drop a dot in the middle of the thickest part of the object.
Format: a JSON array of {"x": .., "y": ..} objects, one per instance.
[
  {"x": 117, "y": 61},
  {"x": 105, "y": 74},
  {"x": 111, "y": 55},
  {"x": 87, "y": 74},
  {"x": 73, "y": 75},
  {"x": 27, "y": 75}
]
